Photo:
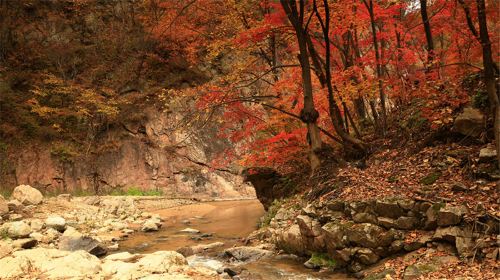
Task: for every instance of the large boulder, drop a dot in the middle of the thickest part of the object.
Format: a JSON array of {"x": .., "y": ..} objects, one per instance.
[
  {"x": 5, "y": 249},
  {"x": 13, "y": 268},
  {"x": 470, "y": 122},
  {"x": 27, "y": 195},
  {"x": 4, "y": 207}
]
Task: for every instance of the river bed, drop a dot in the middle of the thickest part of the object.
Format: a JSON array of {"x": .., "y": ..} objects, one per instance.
[{"x": 222, "y": 221}]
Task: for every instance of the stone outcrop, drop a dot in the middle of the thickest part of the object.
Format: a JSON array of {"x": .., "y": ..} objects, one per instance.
[
  {"x": 470, "y": 122},
  {"x": 152, "y": 153},
  {"x": 360, "y": 233},
  {"x": 266, "y": 182}
]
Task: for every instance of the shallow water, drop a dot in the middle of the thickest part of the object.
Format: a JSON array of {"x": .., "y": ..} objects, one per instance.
[{"x": 228, "y": 222}]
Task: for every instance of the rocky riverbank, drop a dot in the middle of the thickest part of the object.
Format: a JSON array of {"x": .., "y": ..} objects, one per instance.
[
  {"x": 386, "y": 239},
  {"x": 63, "y": 238}
]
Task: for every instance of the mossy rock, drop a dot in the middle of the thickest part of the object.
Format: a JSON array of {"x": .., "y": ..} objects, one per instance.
[
  {"x": 431, "y": 178},
  {"x": 322, "y": 260}
]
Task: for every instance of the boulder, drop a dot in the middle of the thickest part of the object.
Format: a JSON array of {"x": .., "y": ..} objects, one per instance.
[
  {"x": 24, "y": 243},
  {"x": 5, "y": 249},
  {"x": 334, "y": 236},
  {"x": 488, "y": 153},
  {"x": 406, "y": 223},
  {"x": 56, "y": 222},
  {"x": 36, "y": 224},
  {"x": 15, "y": 205},
  {"x": 388, "y": 223},
  {"x": 289, "y": 239},
  {"x": 196, "y": 249},
  {"x": 4, "y": 207},
  {"x": 450, "y": 215},
  {"x": 244, "y": 253},
  {"x": 13, "y": 268},
  {"x": 79, "y": 264},
  {"x": 149, "y": 225},
  {"x": 448, "y": 234},
  {"x": 27, "y": 195},
  {"x": 364, "y": 218},
  {"x": 123, "y": 256},
  {"x": 369, "y": 236},
  {"x": 366, "y": 256},
  {"x": 160, "y": 262},
  {"x": 388, "y": 208},
  {"x": 17, "y": 229},
  {"x": 470, "y": 122},
  {"x": 308, "y": 226},
  {"x": 72, "y": 240}
]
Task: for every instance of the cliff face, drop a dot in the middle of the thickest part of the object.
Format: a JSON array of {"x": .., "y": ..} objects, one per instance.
[{"x": 152, "y": 153}]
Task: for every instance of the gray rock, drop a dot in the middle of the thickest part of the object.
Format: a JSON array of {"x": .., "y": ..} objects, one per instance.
[
  {"x": 369, "y": 236},
  {"x": 470, "y": 122},
  {"x": 388, "y": 223},
  {"x": 364, "y": 218},
  {"x": 244, "y": 253},
  {"x": 72, "y": 240},
  {"x": 56, "y": 222},
  {"x": 450, "y": 215},
  {"x": 17, "y": 229},
  {"x": 406, "y": 223},
  {"x": 366, "y": 256},
  {"x": 334, "y": 236},
  {"x": 416, "y": 270},
  {"x": 488, "y": 153},
  {"x": 388, "y": 208},
  {"x": 448, "y": 234},
  {"x": 27, "y": 195},
  {"x": 465, "y": 246}
]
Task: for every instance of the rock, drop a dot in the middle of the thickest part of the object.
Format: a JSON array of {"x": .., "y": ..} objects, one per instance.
[
  {"x": 149, "y": 225},
  {"x": 459, "y": 187},
  {"x": 13, "y": 268},
  {"x": 366, "y": 256},
  {"x": 160, "y": 262},
  {"x": 196, "y": 249},
  {"x": 51, "y": 235},
  {"x": 65, "y": 197},
  {"x": 190, "y": 230},
  {"x": 4, "y": 207},
  {"x": 396, "y": 246},
  {"x": 470, "y": 122},
  {"x": 289, "y": 238},
  {"x": 364, "y": 218},
  {"x": 17, "y": 229},
  {"x": 450, "y": 215},
  {"x": 417, "y": 244},
  {"x": 334, "y": 236},
  {"x": 56, "y": 222},
  {"x": 311, "y": 265},
  {"x": 78, "y": 264},
  {"x": 388, "y": 223},
  {"x": 244, "y": 253},
  {"x": 15, "y": 205},
  {"x": 388, "y": 208},
  {"x": 406, "y": 223},
  {"x": 309, "y": 226},
  {"x": 5, "y": 249},
  {"x": 335, "y": 205},
  {"x": 369, "y": 236},
  {"x": 406, "y": 204},
  {"x": 36, "y": 224},
  {"x": 488, "y": 153},
  {"x": 114, "y": 247},
  {"x": 416, "y": 270},
  {"x": 123, "y": 256},
  {"x": 24, "y": 243},
  {"x": 448, "y": 234},
  {"x": 27, "y": 195},
  {"x": 72, "y": 240},
  {"x": 464, "y": 246}
]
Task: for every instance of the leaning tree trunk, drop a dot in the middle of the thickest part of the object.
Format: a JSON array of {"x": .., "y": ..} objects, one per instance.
[
  {"x": 489, "y": 72},
  {"x": 428, "y": 32},
  {"x": 309, "y": 114}
]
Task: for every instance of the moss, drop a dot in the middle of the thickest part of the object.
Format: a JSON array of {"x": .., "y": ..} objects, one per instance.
[
  {"x": 135, "y": 191},
  {"x": 271, "y": 212},
  {"x": 431, "y": 178},
  {"x": 322, "y": 260}
]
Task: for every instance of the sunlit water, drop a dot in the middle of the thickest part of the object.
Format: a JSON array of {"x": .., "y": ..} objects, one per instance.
[{"x": 228, "y": 222}]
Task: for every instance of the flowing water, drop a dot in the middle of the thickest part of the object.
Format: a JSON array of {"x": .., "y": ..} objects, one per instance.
[{"x": 223, "y": 221}]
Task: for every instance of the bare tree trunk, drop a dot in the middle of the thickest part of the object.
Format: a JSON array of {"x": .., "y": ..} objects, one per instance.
[
  {"x": 383, "y": 123},
  {"x": 489, "y": 72},
  {"x": 428, "y": 32},
  {"x": 309, "y": 114}
]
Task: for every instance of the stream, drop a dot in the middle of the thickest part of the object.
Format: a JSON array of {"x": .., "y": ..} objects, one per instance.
[{"x": 222, "y": 221}]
